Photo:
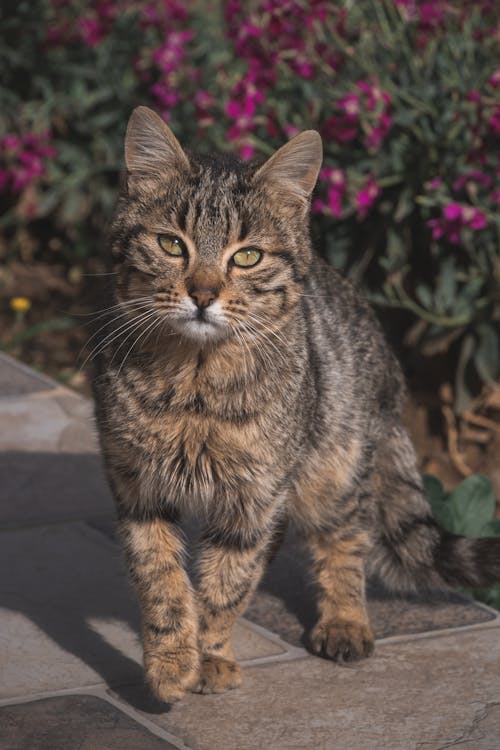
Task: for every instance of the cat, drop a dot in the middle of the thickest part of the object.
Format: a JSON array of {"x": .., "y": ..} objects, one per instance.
[{"x": 241, "y": 379}]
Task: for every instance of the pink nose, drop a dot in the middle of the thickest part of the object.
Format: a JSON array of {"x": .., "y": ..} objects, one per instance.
[{"x": 203, "y": 297}]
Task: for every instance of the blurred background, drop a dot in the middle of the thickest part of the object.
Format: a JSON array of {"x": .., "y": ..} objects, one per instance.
[{"x": 406, "y": 97}]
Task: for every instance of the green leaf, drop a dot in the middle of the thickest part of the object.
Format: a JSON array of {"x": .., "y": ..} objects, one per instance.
[
  {"x": 487, "y": 354},
  {"x": 472, "y": 505},
  {"x": 492, "y": 528},
  {"x": 438, "y": 498}
]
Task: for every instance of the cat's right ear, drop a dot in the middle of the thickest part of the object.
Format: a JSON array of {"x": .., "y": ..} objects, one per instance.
[{"x": 151, "y": 149}]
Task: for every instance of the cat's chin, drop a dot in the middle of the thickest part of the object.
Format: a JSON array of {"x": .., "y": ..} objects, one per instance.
[{"x": 200, "y": 331}]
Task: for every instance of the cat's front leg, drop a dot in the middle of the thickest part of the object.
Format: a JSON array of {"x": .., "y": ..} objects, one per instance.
[
  {"x": 231, "y": 565},
  {"x": 169, "y": 618}
]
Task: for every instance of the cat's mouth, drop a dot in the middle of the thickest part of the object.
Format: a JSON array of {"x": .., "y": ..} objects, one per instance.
[{"x": 201, "y": 324}]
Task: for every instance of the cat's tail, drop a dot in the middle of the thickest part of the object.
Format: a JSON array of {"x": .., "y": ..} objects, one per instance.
[{"x": 411, "y": 551}]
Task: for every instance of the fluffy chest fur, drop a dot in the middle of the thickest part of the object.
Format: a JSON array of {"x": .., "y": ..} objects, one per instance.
[{"x": 197, "y": 429}]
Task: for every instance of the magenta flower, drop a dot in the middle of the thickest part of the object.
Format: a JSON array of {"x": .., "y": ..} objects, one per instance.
[
  {"x": 435, "y": 184},
  {"x": 4, "y": 179},
  {"x": 494, "y": 121},
  {"x": 494, "y": 79},
  {"x": 91, "y": 31},
  {"x": 340, "y": 128},
  {"x": 170, "y": 55},
  {"x": 455, "y": 217},
  {"x": 23, "y": 159},
  {"x": 303, "y": 68},
  {"x": 336, "y": 188},
  {"x": 470, "y": 180},
  {"x": 378, "y": 133},
  {"x": 204, "y": 104},
  {"x": 428, "y": 15},
  {"x": 367, "y": 196},
  {"x": 350, "y": 105}
]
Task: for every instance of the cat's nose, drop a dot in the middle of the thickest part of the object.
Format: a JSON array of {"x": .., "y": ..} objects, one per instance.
[{"x": 203, "y": 297}]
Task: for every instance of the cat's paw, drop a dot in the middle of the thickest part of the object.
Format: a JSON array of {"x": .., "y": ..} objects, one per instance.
[
  {"x": 171, "y": 674},
  {"x": 218, "y": 675},
  {"x": 342, "y": 641}
]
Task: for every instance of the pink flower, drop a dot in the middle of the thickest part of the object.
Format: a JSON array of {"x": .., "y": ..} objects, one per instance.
[
  {"x": 474, "y": 96},
  {"x": 452, "y": 211},
  {"x": 336, "y": 189},
  {"x": 494, "y": 121},
  {"x": 470, "y": 180},
  {"x": 23, "y": 159},
  {"x": 303, "y": 68},
  {"x": 350, "y": 105},
  {"x": 10, "y": 143},
  {"x": 378, "y": 133},
  {"x": 166, "y": 95},
  {"x": 340, "y": 128},
  {"x": 366, "y": 197},
  {"x": 435, "y": 184},
  {"x": 91, "y": 31},
  {"x": 246, "y": 150},
  {"x": 494, "y": 79},
  {"x": 454, "y": 218},
  {"x": 169, "y": 56},
  {"x": 429, "y": 15},
  {"x": 432, "y": 14}
]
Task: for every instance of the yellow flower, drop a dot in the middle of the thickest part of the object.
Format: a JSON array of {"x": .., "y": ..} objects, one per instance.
[{"x": 20, "y": 304}]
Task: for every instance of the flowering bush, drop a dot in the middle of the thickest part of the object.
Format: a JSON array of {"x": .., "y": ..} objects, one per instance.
[{"x": 404, "y": 93}]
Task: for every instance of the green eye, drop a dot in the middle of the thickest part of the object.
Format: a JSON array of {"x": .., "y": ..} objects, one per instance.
[
  {"x": 247, "y": 257},
  {"x": 172, "y": 245}
]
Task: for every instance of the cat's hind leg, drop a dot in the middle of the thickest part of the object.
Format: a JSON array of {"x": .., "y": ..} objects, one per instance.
[{"x": 343, "y": 631}]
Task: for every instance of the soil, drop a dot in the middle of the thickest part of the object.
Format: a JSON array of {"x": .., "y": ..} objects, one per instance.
[{"x": 52, "y": 334}]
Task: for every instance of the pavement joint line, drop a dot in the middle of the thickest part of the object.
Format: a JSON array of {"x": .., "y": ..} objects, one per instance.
[
  {"x": 274, "y": 637},
  {"x": 51, "y": 393},
  {"x": 9, "y": 526},
  {"x": 35, "y": 374},
  {"x": 140, "y": 719},
  {"x": 32, "y": 697},
  {"x": 276, "y": 658},
  {"x": 99, "y": 691},
  {"x": 433, "y": 634}
]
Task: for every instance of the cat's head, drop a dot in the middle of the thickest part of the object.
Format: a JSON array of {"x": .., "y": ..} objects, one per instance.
[{"x": 213, "y": 246}]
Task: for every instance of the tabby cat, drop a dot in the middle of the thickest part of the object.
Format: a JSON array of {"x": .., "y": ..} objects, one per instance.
[{"x": 242, "y": 380}]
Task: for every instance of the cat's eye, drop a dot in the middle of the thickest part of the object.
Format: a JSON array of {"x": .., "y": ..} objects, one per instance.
[
  {"x": 172, "y": 245},
  {"x": 247, "y": 257}
]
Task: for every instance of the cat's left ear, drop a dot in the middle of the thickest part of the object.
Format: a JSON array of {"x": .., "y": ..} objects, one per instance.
[{"x": 294, "y": 168}]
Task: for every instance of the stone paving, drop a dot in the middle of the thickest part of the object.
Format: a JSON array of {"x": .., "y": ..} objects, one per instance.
[{"x": 70, "y": 673}]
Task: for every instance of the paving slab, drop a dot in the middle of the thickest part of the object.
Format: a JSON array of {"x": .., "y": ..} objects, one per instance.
[
  {"x": 17, "y": 379},
  {"x": 68, "y": 616},
  {"x": 42, "y": 488},
  {"x": 426, "y": 694},
  {"x": 77, "y": 721}
]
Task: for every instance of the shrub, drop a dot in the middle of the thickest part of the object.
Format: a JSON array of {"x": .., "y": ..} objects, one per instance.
[{"x": 404, "y": 93}]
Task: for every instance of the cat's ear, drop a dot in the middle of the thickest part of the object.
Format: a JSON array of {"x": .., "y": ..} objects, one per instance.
[
  {"x": 150, "y": 146},
  {"x": 294, "y": 168}
]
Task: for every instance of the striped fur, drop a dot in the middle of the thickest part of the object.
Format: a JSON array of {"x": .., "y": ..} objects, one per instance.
[{"x": 279, "y": 401}]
